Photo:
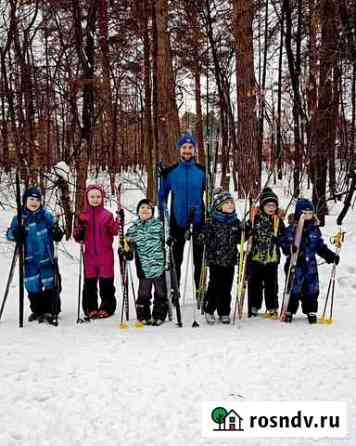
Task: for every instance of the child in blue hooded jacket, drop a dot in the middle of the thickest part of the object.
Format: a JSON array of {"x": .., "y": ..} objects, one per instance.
[
  {"x": 37, "y": 232},
  {"x": 305, "y": 286}
]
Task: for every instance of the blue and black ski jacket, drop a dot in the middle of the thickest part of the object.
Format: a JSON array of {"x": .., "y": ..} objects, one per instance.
[{"x": 186, "y": 180}]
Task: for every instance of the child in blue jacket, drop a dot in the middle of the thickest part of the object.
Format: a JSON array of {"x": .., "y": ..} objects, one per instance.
[
  {"x": 37, "y": 232},
  {"x": 305, "y": 285}
]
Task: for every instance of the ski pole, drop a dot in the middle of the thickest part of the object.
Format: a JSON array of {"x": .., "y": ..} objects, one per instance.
[
  {"x": 337, "y": 240},
  {"x": 80, "y": 282},
  {"x": 81, "y": 271},
  {"x": 9, "y": 280},
  {"x": 124, "y": 325},
  {"x": 21, "y": 250},
  {"x": 55, "y": 308}
]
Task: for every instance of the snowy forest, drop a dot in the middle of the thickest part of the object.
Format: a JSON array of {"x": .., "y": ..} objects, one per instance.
[{"x": 110, "y": 85}]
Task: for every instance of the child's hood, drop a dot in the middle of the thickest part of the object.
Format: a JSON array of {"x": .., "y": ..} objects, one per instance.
[{"x": 94, "y": 187}]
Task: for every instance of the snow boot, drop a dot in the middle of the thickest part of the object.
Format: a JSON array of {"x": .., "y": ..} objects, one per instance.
[
  {"x": 272, "y": 314},
  {"x": 157, "y": 322},
  {"x": 288, "y": 317},
  {"x": 253, "y": 311},
  {"x": 46, "y": 318},
  {"x": 225, "y": 319},
  {"x": 34, "y": 317},
  {"x": 311, "y": 318},
  {"x": 210, "y": 318}
]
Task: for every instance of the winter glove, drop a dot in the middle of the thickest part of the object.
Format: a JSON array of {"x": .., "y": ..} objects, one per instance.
[
  {"x": 126, "y": 250},
  {"x": 170, "y": 241},
  {"x": 19, "y": 234},
  {"x": 83, "y": 218},
  {"x": 57, "y": 233},
  {"x": 128, "y": 255},
  {"x": 328, "y": 255},
  {"x": 79, "y": 233},
  {"x": 331, "y": 257}
]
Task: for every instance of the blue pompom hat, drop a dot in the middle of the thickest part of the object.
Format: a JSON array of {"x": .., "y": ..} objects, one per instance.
[
  {"x": 302, "y": 205},
  {"x": 34, "y": 192},
  {"x": 187, "y": 138}
]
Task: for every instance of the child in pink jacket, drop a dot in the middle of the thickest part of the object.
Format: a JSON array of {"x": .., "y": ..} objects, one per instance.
[{"x": 96, "y": 227}]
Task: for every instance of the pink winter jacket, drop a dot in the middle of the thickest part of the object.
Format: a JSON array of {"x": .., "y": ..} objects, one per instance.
[{"x": 99, "y": 234}]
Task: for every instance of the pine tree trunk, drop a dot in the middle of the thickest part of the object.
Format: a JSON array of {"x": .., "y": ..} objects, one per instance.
[
  {"x": 168, "y": 120},
  {"x": 324, "y": 123},
  {"x": 248, "y": 162}
]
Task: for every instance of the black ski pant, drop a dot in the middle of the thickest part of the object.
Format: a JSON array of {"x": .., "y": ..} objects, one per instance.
[
  {"x": 263, "y": 276},
  {"x": 309, "y": 301},
  {"x": 218, "y": 296},
  {"x": 47, "y": 301},
  {"x": 178, "y": 234},
  {"x": 107, "y": 295},
  {"x": 160, "y": 302}
]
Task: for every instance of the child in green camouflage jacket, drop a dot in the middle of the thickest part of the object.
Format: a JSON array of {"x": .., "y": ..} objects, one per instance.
[{"x": 145, "y": 240}]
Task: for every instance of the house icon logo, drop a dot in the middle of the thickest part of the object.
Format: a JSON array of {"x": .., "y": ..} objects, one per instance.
[{"x": 229, "y": 421}]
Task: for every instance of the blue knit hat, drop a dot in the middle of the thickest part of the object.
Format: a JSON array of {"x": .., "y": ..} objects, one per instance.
[
  {"x": 302, "y": 205},
  {"x": 34, "y": 192},
  {"x": 187, "y": 138}
]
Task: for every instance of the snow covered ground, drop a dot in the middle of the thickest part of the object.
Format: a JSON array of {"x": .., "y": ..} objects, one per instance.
[{"x": 91, "y": 384}]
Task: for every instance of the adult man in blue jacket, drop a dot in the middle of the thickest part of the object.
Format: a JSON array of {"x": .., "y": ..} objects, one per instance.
[{"x": 186, "y": 183}]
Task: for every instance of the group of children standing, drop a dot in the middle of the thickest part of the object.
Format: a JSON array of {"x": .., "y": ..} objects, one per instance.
[{"x": 96, "y": 228}]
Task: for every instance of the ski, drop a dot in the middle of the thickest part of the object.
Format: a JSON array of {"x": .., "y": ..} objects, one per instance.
[
  {"x": 292, "y": 268},
  {"x": 241, "y": 284},
  {"x": 173, "y": 291},
  {"x": 168, "y": 265},
  {"x": 123, "y": 262}
]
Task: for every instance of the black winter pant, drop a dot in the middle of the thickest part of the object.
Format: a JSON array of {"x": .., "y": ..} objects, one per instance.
[
  {"x": 309, "y": 302},
  {"x": 218, "y": 296},
  {"x": 263, "y": 276},
  {"x": 178, "y": 234},
  {"x": 47, "y": 301},
  {"x": 107, "y": 295},
  {"x": 160, "y": 302}
]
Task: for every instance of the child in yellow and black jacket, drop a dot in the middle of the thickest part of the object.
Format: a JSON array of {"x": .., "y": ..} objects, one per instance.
[{"x": 267, "y": 226}]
